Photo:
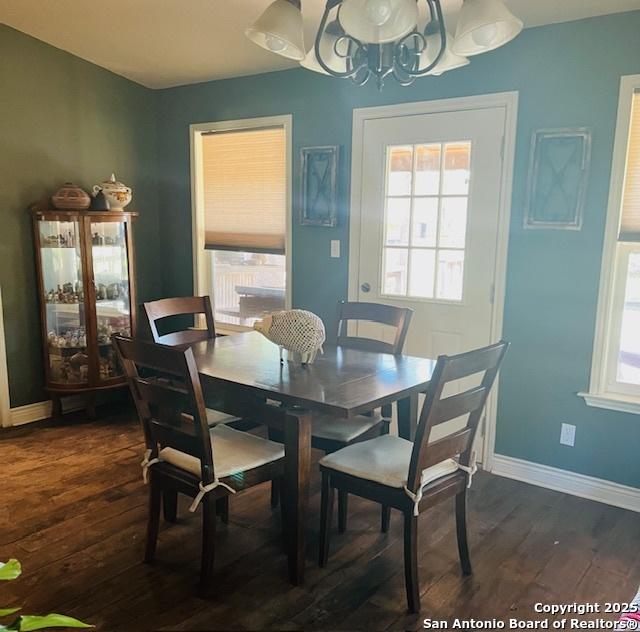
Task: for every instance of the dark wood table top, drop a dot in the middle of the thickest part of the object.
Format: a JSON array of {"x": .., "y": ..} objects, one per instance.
[{"x": 344, "y": 382}]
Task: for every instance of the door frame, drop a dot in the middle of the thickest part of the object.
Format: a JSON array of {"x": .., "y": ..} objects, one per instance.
[
  {"x": 5, "y": 406},
  {"x": 506, "y": 100}
]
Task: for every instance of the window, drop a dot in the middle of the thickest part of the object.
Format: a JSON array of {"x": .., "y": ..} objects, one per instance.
[
  {"x": 241, "y": 216},
  {"x": 615, "y": 379},
  {"x": 426, "y": 199}
]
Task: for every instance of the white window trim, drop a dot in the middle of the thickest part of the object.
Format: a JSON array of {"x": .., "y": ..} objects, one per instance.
[
  {"x": 201, "y": 265},
  {"x": 599, "y": 394}
]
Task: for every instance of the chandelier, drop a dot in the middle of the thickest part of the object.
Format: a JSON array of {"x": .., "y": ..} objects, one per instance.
[{"x": 363, "y": 40}]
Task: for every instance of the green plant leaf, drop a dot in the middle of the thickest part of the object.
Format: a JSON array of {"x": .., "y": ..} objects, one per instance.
[
  {"x": 28, "y": 622},
  {"x": 10, "y": 570},
  {"x": 7, "y": 611}
]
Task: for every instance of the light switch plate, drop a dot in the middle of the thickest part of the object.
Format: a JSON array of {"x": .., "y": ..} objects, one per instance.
[
  {"x": 335, "y": 249},
  {"x": 568, "y": 435}
]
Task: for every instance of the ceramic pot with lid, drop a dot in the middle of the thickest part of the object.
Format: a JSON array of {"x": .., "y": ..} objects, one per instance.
[
  {"x": 70, "y": 197},
  {"x": 118, "y": 195}
]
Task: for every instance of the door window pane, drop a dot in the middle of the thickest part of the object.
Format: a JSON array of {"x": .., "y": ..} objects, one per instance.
[
  {"x": 428, "y": 169},
  {"x": 453, "y": 222},
  {"x": 398, "y": 218},
  {"x": 629, "y": 352},
  {"x": 456, "y": 173},
  {"x": 395, "y": 271},
  {"x": 423, "y": 269},
  {"x": 400, "y": 170},
  {"x": 450, "y": 274},
  {"x": 425, "y": 222}
]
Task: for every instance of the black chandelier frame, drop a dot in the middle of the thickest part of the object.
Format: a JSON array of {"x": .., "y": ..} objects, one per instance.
[{"x": 400, "y": 59}]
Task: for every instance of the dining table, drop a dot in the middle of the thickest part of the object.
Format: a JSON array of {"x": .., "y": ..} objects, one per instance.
[{"x": 343, "y": 382}]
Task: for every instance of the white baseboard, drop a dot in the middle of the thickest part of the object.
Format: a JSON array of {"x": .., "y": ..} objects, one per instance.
[
  {"x": 41, "y": 410},
  {"x": 568, "y": 482}
]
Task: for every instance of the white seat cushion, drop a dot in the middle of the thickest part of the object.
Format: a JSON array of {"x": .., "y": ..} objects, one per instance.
[
  {"x": 233, "y": 451},
  {"x": 384, "y": 460},
  {"x": 345, "y": 430},
  {"x": 215, "y": 417}
]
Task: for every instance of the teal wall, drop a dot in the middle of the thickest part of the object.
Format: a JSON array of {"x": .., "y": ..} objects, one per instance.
[
  {"x": 568, "y": 76},
  {"x": 62, "y": 119}
]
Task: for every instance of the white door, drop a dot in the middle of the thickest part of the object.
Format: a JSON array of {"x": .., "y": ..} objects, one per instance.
[{"x": 429, "y": 218}]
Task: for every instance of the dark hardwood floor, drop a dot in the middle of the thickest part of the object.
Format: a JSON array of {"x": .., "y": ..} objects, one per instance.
[{"x": 73, "y": 509}]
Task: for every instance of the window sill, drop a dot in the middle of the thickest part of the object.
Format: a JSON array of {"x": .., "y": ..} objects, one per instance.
[
  {"x": 225, "y": 329},
  {"x": 620, "y": 403}
]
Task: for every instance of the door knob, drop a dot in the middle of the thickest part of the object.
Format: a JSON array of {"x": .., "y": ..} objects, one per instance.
[{"x": 365, "y": 287}]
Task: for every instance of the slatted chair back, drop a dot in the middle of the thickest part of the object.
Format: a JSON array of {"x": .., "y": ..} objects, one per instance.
[
  {"x": 397, "y": 317},
  {"x": 438, "y": 409},
  {"x": 157, "y": 311},
  {"x": 166, "y": 389}
]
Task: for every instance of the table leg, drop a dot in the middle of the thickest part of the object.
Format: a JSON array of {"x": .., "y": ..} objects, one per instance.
[
  {"x": 408, "y": 417},
  {"x": 297, "y": 446}
]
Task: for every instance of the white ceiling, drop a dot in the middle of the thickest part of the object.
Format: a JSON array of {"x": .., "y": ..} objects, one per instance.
[{"x": 162, "y": 43}]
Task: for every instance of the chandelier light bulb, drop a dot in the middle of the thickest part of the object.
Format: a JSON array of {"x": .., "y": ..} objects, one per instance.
[
  {"x": 275, "y": 44},
  {"x": 378, "y": 11}
]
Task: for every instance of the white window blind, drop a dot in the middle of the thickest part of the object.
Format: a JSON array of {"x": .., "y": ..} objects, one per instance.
[
  {"x": 245, "y": 190},
  {"x": 630, "y": 222}
]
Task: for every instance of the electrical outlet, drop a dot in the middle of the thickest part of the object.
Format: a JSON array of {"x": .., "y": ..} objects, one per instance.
[
  {"x": 335, "y": 249},
  {"x": 568, "y": 435}
]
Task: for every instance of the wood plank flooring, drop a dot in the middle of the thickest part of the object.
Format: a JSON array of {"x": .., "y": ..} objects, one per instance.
[{"x": 73, "y": 510}]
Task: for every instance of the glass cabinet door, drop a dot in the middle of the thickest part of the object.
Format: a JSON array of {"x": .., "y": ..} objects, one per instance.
[
  {"x": 111, "y": 279},
  {"x": 63, "y": 300}
]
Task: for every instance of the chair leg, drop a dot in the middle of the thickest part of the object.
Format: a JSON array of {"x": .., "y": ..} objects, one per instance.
[
  {"x": 170, "y": 505},
  {"x": 283, "y": 516},
  {"x": 153, "y": 524},
  {"x": 411, "y": 561},
  {"x": 275, "y": 493},
  {"x": 343, "y": 508},
  {"x": 326, "y": 515},
  {"x": 208, "y": 541},
  {"x": 385, "y": 519},
  {"x": 461, "y": 530},
  {"x": 222, "y": 509}
]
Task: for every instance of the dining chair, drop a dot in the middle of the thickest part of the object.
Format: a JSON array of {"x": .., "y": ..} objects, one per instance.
[
  {"x": 183, "y": 454},
  {"x": 330, "y": 434},
  {"x": 171, "y": 308},
  {"x": 413, "y": 477}
]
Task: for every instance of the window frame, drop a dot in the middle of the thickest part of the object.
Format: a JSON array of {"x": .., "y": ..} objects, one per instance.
[
  {"x": 603, "y": 393},
  {"x": 201, "y": 257},
  {"x": 410, "y": 247}
]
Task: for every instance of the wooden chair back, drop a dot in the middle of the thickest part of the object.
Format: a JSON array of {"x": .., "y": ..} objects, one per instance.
[
  {"x": 156, "y": 311},
  {"x": 165, "y": 385},
  {"x": 438, "y": 409},
  {"x": 398, "y": 317}
]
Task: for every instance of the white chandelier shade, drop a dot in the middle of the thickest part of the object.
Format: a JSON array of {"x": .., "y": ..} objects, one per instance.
[
  {"x": 378, "y": 21},
  {"x": 279, "y": 30},
  {"x": 448, "y": 61},
  {"x": 330, "y": 45},
  {"x": 484, "y": 25}
]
